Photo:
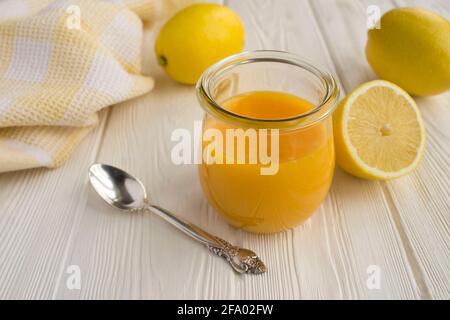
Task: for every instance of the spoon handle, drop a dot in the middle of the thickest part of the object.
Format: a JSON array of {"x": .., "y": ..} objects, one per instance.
[{"x": 242, "y": 260}]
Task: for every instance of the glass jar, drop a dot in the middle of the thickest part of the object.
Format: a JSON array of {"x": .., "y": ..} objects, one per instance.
[{"x": 268, "y": 81}]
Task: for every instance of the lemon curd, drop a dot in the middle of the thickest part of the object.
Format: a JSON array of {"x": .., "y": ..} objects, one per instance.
[
  {"x": 285, "y": 103},
  {"x": 271, "y": 203}
]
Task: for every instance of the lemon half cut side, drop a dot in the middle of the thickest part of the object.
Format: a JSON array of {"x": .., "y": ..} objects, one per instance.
[{"x": 379, "y": 132}]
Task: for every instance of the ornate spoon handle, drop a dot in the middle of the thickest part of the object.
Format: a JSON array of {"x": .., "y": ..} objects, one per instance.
[{"x": 242, "y": 260}]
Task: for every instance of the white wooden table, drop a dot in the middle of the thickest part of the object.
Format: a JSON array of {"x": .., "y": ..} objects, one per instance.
[{"x": 51, "y": 219}]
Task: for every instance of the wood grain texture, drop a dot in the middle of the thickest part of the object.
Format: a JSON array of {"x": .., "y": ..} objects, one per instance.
[
  {"x": 50, "y": 220},
  {"x": 140, "y": 256},
  {"x": 423, "y": 198},
  {"x": 39, "y": 211},
  {"x": 355, "y": 228},
  {"x": 419, "y": 202}
]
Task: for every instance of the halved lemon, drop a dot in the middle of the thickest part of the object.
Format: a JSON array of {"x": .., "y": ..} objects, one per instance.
[{"x": 378, "y": 131}]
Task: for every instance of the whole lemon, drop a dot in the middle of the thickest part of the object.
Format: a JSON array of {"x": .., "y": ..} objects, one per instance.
[
  {"x": 412, "y": 50},
  {"x": 197, "y": 37}
]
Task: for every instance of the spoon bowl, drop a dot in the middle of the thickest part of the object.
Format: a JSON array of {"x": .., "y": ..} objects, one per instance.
[{"x": 117, "y": 187}]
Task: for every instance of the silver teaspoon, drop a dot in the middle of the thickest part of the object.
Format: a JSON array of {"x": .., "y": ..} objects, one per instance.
[{"x": 123, "y": 191}]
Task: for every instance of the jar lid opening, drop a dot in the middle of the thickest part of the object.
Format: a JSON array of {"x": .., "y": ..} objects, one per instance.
[{"x": 322, "y": 109}]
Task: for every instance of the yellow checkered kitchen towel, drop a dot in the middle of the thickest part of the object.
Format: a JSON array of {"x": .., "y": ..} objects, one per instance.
[{"x": 61, "y": 61}]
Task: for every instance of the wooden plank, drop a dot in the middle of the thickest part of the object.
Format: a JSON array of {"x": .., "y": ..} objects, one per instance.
[
  {"x": 140, "y": 256},
  {"x": 353, "y": 229},
  {"x": 39, "y": 211},
  {"x": 123, "y": 257},
  {"x": 422, "y": 199},
  {"x": 355, "y": 226},
  {"x": 419, "y": 202}
]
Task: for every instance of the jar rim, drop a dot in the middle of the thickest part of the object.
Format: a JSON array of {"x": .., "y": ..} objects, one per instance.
[{"x": 322, "y": 110}]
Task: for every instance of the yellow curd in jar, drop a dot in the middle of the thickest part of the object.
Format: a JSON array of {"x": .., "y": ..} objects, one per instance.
[{"x": 271, "y": 203}]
